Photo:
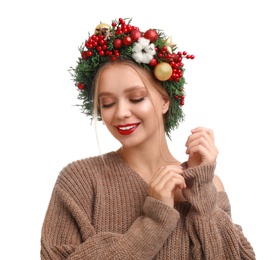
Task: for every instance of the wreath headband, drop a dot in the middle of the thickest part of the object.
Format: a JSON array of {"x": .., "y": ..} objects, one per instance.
[{"x": 151, "y": 50}]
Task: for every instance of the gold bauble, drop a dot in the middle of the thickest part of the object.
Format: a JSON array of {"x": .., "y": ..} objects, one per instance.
[
  {"x": 99, "y": 27},
  {"x": 163, "y": 71}
]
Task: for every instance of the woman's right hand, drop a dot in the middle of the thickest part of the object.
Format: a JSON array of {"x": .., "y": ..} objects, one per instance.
[{"x": 165, "y": 182}]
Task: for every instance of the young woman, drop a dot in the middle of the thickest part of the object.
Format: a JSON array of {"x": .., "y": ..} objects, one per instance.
[{"x": 139, "y": 202}]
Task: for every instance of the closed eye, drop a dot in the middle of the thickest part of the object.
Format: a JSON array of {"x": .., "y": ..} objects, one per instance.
[
  {"x": 137, "y": 100},
  {"x": 108, "y": 105}
]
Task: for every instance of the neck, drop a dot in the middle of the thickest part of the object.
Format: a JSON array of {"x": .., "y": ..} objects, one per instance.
[{"x": 147, "y": 160}]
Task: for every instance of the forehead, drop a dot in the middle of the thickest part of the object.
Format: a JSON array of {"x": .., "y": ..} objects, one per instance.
[
  {"x": 115, "y": 76},
  {"x": 121, "y": 69}
]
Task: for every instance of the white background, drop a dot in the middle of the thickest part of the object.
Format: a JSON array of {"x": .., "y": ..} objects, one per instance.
[{"x": 233, "y": 86}]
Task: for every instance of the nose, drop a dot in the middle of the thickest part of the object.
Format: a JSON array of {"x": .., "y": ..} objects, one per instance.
[{"x": 123, "y": 110}]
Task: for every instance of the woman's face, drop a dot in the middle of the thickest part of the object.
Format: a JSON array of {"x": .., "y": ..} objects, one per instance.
[{"x": 131, "y": 113}]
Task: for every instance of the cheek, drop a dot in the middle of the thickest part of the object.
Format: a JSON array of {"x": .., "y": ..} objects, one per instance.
[
  {"x": 146, "y": 108},
  {"x": 106, "y": 115},
  {"x": 147, "y": 113}
]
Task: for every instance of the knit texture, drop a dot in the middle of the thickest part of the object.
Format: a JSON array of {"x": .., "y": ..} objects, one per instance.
[{"x": 100, "y": 209}]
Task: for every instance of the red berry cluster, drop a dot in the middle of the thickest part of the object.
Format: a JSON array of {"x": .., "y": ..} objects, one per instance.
[
  {"x": 99, "y": 41},
  {"x": 175, "y": 61},
  {"x": 181, "y": 99}
]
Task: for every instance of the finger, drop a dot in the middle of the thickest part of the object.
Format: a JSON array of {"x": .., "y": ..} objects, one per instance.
[
  {"x": 165, "y": 191},
  {"x": 167, "y": 185},
  {"x": 199, "y": 129},
  {"x": 203, "y": 139},
  {"x": 205, "y": 142},
  {"x": 203, "y": 151},
  {"x": 164, "y": 171},
  {"x": 208, "y": 131},
  {"x": 173, "y": 181},
  {"x": 203, "y": 130},
  {"x": 207, "y": 156}
]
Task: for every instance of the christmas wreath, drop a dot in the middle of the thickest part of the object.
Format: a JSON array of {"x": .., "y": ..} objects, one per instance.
[{"x": 150, "y": 49}]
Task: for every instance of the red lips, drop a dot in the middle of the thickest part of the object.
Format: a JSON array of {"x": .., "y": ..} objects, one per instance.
[{"x": 127, "y": 129}]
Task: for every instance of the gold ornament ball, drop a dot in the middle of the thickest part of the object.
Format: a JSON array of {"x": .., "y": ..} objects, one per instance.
[
  {"x": 101, "y": 26},
  {"x": 163, "y": 71}
]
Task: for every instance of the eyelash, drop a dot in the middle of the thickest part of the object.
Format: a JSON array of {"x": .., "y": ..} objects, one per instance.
[
  {"x": 108, "y": 105},
  {"x": 131, "y": 100},
  {"x": 137, "y": 100}
]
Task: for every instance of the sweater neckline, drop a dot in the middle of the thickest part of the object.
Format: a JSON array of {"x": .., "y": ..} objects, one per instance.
[
  {"x": 127, "y": 166},
  {"x": 124, "y": 164}
]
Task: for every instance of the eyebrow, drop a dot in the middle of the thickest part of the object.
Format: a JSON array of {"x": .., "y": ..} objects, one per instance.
[{"x": 130, "y": 89}]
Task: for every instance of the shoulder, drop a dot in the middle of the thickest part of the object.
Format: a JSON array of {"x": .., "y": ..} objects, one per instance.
[
  {"x": 85, "y": 169},
  {"x": 89, "y": 163},
  {"x": 80, "y": 178},
  {"x": 218, "y": 183}
]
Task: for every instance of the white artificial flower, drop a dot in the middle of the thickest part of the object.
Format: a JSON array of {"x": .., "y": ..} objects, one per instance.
[
  {"x": 143, "y": 42},
  {"x": 150, "y": 49},
  {"x": 143, "y": 51},
  {"x": 137, "y": 47},
  {"x": 137, "y": 56},
  {"x": 147, "y": 58}
]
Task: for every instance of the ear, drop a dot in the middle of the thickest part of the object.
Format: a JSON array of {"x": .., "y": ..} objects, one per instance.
[{"x": 165, "y": 105}]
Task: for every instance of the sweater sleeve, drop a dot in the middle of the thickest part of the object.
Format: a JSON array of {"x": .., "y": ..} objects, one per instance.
[
  {"x": 223, "y": 202},
  {"x": 209, "y": 225},
  {"x": 68, "y": 233}
]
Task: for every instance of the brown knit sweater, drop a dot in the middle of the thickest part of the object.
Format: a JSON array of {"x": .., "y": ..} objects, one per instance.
[{"x": 102, "y": 211}]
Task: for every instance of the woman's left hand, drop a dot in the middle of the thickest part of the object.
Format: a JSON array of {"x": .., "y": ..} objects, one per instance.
[{"x": 201, "y": 147}]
